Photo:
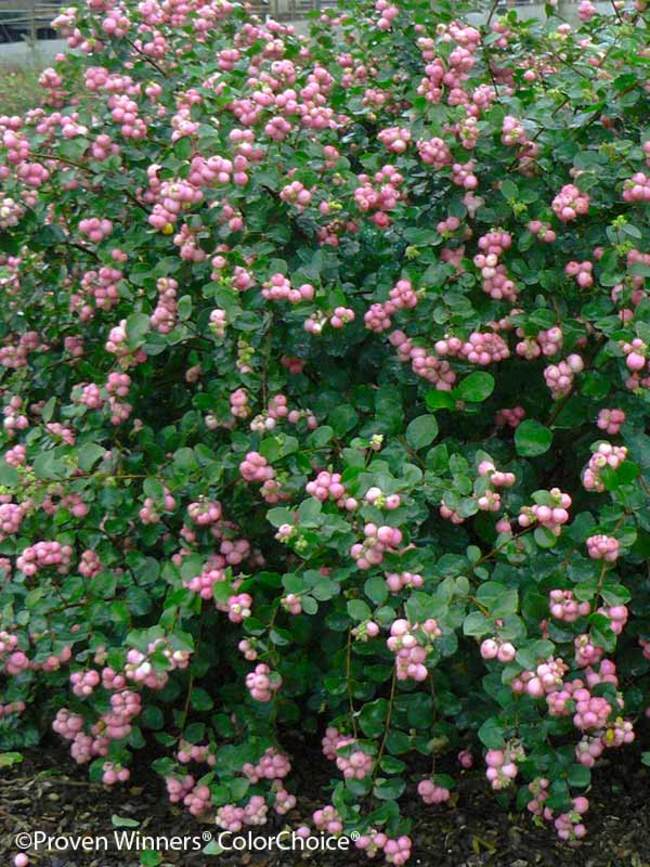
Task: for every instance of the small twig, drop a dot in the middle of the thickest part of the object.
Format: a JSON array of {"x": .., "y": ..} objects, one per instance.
[
  {"x": 348, "y": 666},
  {"x": 389, "y": 717},
  {"x": 433, "y": 714},
  {"x": 147, "y": 58},
  {"x": 190, "y": 685},
  {"x": 492, "y": 13},
  {"x": 615, "y": 8}
]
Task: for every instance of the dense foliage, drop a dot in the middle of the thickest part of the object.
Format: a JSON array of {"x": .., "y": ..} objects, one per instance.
[{"x": 325, "y": 384}]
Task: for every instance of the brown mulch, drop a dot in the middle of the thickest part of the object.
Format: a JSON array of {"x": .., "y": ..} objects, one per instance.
[{"x": 48, "y": 792}]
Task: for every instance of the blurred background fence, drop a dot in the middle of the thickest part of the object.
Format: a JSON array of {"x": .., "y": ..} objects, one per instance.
[
  {"x": 27, "y": 20},
  {"x": 26, "y": 37}
]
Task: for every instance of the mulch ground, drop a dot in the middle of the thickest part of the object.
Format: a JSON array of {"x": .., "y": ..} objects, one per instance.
[{"x": 47, "y": 792}]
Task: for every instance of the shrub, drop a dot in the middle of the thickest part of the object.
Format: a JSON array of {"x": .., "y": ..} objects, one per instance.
[{"x": 325, "y": 382}]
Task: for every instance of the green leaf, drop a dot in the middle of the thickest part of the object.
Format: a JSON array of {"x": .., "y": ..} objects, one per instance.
[
  {"x": 48, "y": 410},
  {"x": 358, "y": 610},
  {"x": 420, "y": 606},
  {"x": 185, "y": 460},
  {"x": 422, "y": 431},
  {"x": 492, "y": 734},
  {"x": 435, "y": 399},
  {"x": 309, "y": 605},
  {"x": 9, "y": 476},
  {"x": 476, "y": 623},
  {"x": 123, "y": 822},
  {"x": 103, "y": 585},
  {"x": 184, "y": 307},
  {"x": 320, "y": 437},
  {"x": 139, "y": 601},
  {"x": 601, "y": 631},
  {"x": 137, "y": 326},
  {"x": 421, "y": 237},
  {"x": 545, "y": 537},
  {"x": 152, "y": 718},
  {"x": 391, "y": 765},
  {"x": 201, "y": 699},
  {"x": 47, "y": 466},
  {"x": 615, "y": 594},
  {"x": 279, "y": 446},
  {"x": 632, "y": 231},
  {"x": 8, "y": 760},
  {"x": 309, "y": 512},
  {"x": 88, "y": 455},
  {"x": 389, "y": 790},
  {"x": 376, "y": 590},
  {"x": 497, "y": 598},
  {"x": 325, "y": 589},
  {"x": 153, "y": 488},
  {"x": 475, "y": 388},
  {"x": 389, "y": 409},
  {"x": 343, "y": 419},
  {"x": 624, "y": 474},
  {"x": 532, "y": 439},
  {"x": 221, "y": 592},
  {"x": 398, "y": 742},
  {"x": 508, "y": 189},
  {"x": 579, "y": 776},
  {"x": 279, "y": 515},
  {"x": 532, "y": 653},
  {"x": 373, "y": 716}
]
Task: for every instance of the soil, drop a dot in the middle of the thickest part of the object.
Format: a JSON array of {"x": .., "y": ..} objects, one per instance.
[{"x": 46, "y": 792}]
